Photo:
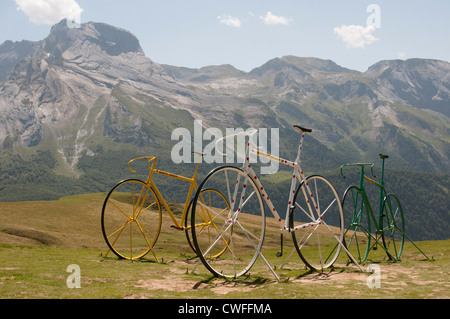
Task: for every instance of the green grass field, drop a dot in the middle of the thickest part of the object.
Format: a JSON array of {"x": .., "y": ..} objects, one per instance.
[{"x": 40, "y": 240}]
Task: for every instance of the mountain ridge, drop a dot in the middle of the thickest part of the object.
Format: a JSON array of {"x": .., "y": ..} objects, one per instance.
[{"x": 76, "y": 69}]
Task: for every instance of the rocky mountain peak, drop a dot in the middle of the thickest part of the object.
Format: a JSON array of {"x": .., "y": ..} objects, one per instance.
[
  {"x": 422, "y": 83},
  {"x": 98, "y": 50},
  {"x": 311, "y": 64},
  {"x": 114, "y": 41},
  {"x": 416, "y": 66}
]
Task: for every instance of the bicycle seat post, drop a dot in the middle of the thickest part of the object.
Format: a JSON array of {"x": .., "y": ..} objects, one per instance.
[
  {"x": 302, "y": 131},
  {"x": 383, "y": 157}
]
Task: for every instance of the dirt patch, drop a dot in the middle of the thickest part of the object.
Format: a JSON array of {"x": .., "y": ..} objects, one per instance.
[
  {"x": 9, "y": 268},
  {"x": 170, "y": 283},
  {"x": 176, "y": 284},
  {"x": 334, "y": 277},
  {"x": 224, "y": 288}
]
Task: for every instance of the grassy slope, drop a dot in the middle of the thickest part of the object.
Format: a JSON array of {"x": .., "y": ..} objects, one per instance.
[{"x": 39, "y": 240}]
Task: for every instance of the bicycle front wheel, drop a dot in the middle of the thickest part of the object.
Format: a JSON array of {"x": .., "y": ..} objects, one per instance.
[
  {"x": 316, "y": 222},
  {"x": 228, "y": 230},
  {"x": 393, "y": 227},
  {"x": 356, "y": 223},
  {"x": 131, "y": 219}
]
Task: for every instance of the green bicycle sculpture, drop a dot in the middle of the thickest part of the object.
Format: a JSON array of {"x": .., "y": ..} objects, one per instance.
[{"x": 363, "y": 230}]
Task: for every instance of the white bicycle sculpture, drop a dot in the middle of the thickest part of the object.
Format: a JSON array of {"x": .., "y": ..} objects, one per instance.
[{"x": 314, "y": 216}]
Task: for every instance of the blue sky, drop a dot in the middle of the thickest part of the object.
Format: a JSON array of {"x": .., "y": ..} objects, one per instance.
[{"x": 247, "y": 33}]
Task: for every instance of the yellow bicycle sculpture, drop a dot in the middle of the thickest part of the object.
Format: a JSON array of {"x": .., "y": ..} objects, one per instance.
[{"x": 132, "y": 213}]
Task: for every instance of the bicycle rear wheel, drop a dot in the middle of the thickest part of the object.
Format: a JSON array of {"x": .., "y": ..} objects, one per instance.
[
  {"x": 228, "y": 234},
  {"x": 317, "y": 223},
  {"x": 356, "y": 223},
  {"x": 131, "y": 219},
  {"x": 207, "y": 197},
  {"x": 393, "y": 227}
]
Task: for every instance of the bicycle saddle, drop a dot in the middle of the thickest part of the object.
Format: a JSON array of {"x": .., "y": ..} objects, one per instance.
[{"x": 302, "y": 129}]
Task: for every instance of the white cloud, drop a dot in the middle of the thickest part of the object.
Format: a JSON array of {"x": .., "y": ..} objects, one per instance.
[
  {"x": 270, "y": 18},
  {"x": 49, "y": 11},
  {"x": 229, "y": 20},
  {"x": 356, "y": 36}
]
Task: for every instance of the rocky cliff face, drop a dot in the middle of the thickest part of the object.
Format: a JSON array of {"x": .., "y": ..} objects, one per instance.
[
  {"x": 424, "y": 84},
  {"x": 61, "y": 87},
  {"x": 93, "y": 85}
]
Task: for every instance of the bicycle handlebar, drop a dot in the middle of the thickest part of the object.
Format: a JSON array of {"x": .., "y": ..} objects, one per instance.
[
  {"x": 252, "y": 132},
  {"x": 358, "y": 164},
  {"x": 150, "y": 159}
]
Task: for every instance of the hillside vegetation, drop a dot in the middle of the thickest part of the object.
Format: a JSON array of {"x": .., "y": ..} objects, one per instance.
[{"x": 424, "y": 196}]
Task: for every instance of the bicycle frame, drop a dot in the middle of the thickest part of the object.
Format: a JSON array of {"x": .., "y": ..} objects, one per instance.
[
  {"x": 151, "y": 164},
  {"x": 298, "y": 175},
  {"x": 366, "y": 202}
]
